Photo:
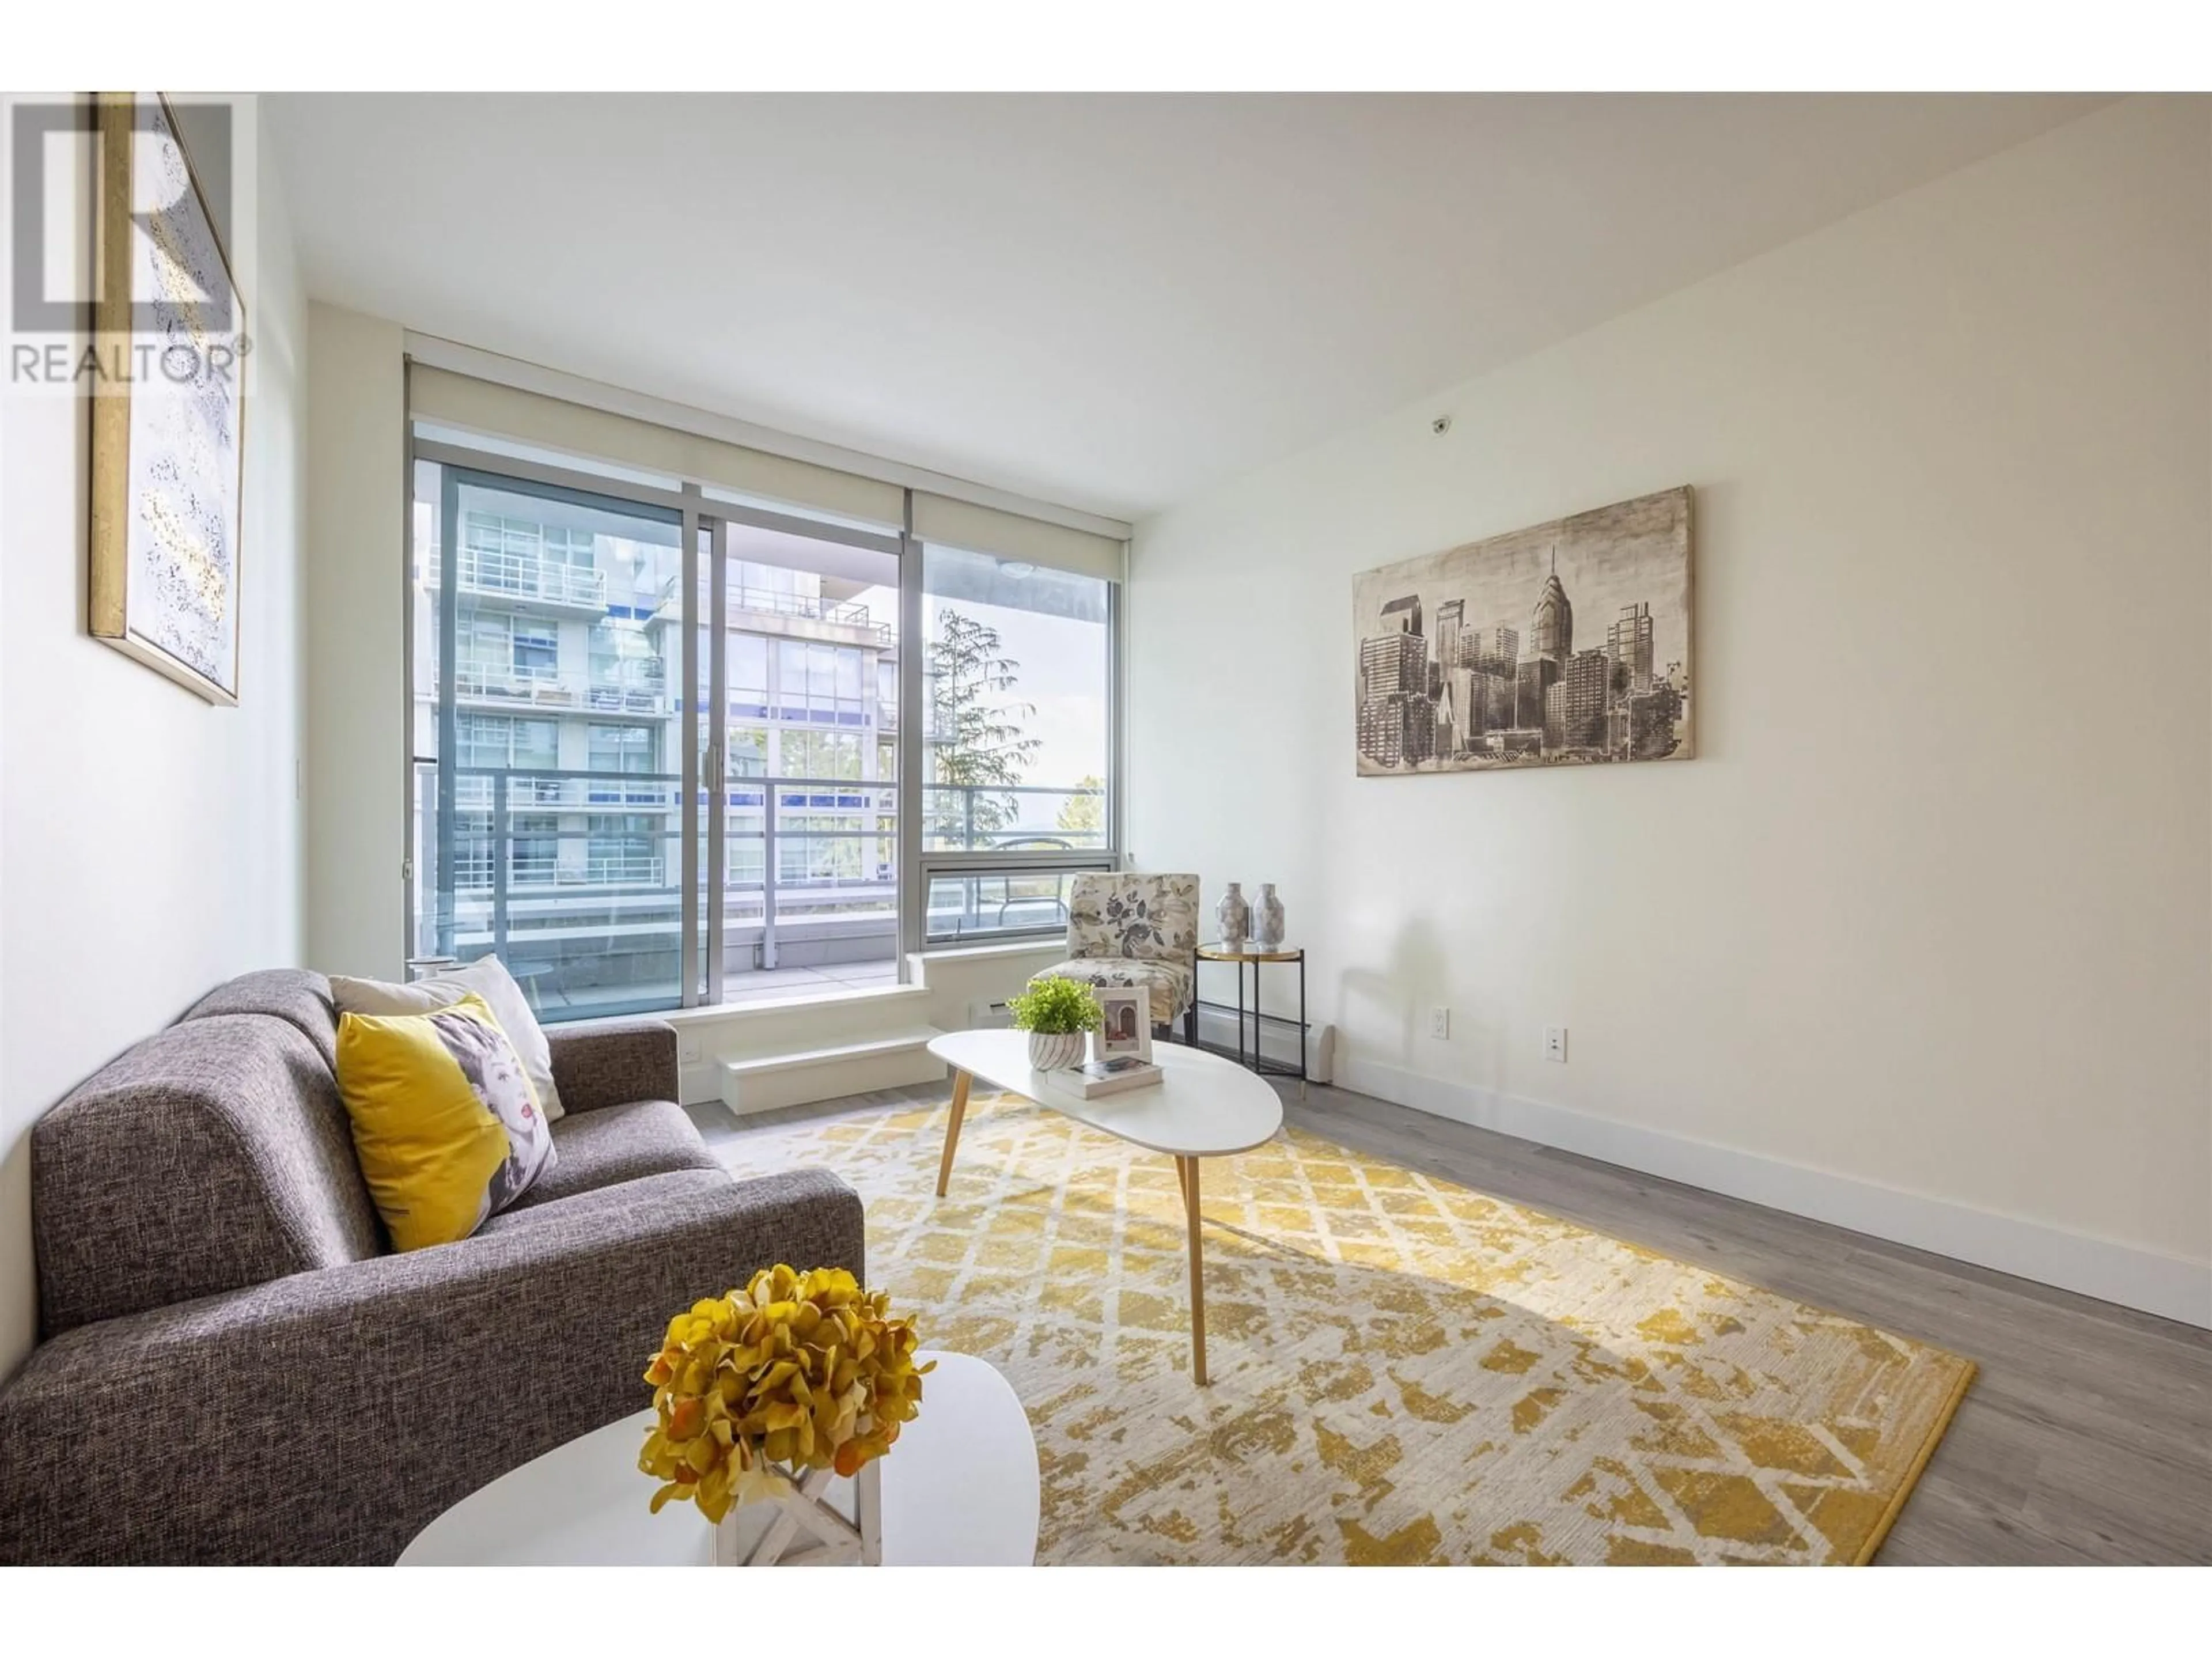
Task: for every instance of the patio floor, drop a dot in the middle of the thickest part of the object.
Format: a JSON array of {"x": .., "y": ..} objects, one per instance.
[{"x": 765, "y": 984}]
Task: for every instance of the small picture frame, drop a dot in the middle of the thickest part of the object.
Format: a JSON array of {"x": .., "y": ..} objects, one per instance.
[{"x": 1126, "y": 1027}]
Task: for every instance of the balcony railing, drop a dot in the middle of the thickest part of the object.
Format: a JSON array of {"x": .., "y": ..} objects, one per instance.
[
  {"x": 476, "y": 868},
  {"x": 769, "y": 602},
  {"x": 539, "y": 687},
  {"x": 543, "y": 869},
  {"x": 475, "y": 789},
  {"x": 543, "y": 687},
  {"x": 521, "y": 576},
  {"x": 626, "y": 870},
  {"x": 983, "y": 819},
  {"x": 603, "y": 697}
]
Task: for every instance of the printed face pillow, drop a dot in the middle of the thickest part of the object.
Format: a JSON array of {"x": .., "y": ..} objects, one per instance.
[
  {"x": 486, "y": 978},
  {"x": 446, "y": 1122}
]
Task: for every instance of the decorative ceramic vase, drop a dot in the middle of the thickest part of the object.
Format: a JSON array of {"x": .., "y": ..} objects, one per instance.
[
  {"x": 1055, "y": 1051},
  {"x": 1267, "y": 917},
  {"x": 1234, "y": 917}
]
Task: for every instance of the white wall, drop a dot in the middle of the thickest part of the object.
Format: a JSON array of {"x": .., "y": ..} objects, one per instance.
[
  {"x": 150, "y": 844},
  {"x": 356, "y": 436},
  {"x": 1920, "y": 941}
]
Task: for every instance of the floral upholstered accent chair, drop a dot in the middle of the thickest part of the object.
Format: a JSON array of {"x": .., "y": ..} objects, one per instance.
[{"x": 1126, "y": 929}]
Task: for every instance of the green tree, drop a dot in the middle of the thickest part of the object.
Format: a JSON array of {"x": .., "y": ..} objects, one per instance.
[
  {"x": 1084, "y": 814},
  {"x": 975, "y": 735}
]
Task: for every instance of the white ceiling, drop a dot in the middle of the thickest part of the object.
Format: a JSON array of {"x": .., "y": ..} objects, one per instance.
[{"x": 1108, "y": 301}]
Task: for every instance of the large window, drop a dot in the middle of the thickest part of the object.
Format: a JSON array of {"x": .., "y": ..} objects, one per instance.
[
  {"x": 660, "y": 756},
  {"x": 1016, "y": 736}
]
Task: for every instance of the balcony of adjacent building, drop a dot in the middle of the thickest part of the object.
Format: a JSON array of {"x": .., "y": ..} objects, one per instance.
[
  {"x": 529, "y": 582},
  {"x": 839, "y": 620},
  {"x": 640, "y": 691},
  {"x": 576, "y": 880}
]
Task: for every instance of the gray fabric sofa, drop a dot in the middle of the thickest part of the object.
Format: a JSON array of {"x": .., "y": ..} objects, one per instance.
[{"x": 235, "y": 1366}]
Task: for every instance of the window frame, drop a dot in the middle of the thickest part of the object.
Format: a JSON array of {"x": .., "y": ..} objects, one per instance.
[
  {"x": 920, "y": 866},
  {"x": 701, "y": 520}
]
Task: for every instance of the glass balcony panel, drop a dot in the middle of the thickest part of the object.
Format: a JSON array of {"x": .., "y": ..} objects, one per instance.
[{"x": 988, "y": 906}]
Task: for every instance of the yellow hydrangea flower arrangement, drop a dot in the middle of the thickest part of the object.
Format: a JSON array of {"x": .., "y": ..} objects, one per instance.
[{"x": 795, "y": 1371}]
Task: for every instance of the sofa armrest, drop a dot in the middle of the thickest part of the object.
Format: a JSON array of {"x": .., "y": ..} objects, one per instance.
[
  {"x": 331, "y": 1416},
  {"x": 614, "y": 1062}
]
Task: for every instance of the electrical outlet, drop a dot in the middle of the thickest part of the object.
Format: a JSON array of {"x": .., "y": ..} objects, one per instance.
[
  {"x": 1555, "y": 1043},
  {"x": 687, "y": 1050},
  {"x": 1440, "y": 1023}
]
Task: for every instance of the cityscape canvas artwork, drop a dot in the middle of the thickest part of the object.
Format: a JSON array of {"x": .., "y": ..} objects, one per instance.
[{"x": 1565, "y": 644}]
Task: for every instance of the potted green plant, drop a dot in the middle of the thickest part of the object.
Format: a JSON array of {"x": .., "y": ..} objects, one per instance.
[{"x": 1055, "y": 1013}]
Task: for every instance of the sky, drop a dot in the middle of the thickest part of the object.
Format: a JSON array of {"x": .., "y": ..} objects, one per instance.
[{"x": 1062, "y": 673}]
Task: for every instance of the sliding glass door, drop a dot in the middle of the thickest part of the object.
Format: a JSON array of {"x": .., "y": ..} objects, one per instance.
[
  {"x": 657, "y": 743},
  {"x": 549, "y": 812},
  {"x": 807, "y": 808}
]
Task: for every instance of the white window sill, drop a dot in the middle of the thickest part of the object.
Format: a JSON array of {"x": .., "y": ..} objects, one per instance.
[{"x": 1031, "y": 947}]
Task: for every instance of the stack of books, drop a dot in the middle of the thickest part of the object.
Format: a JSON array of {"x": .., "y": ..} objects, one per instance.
[{"x": 1110, "y": 1077}]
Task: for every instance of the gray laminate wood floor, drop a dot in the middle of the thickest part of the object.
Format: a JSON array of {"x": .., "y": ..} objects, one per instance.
[{"x": 2086, "y": 1439}]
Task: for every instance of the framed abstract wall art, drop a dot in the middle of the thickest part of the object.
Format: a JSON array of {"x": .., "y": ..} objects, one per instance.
[
  {"x": 1565, "y": 644},
  {"x": 168, "y": 410}
]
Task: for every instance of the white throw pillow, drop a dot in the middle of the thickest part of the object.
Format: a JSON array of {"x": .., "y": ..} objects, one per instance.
[{"x": 486, "y": 978}]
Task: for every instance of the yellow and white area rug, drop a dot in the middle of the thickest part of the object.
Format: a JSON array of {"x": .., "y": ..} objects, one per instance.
[{"x": 1403, "y": 1371}]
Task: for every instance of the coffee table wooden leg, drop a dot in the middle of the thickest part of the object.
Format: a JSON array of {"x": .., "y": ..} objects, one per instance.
[
  {"x": 1187, "y": 1168},
  {"x": 1182, "y": 1182},
  {"x": 952, "y": 1129}
]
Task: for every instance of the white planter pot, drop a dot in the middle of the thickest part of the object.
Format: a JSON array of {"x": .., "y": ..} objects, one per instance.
[{"x": 1054, "y": 1051}]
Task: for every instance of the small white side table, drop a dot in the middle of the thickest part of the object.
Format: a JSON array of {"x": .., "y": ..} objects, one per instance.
[{"x": 959, "y": 1489}]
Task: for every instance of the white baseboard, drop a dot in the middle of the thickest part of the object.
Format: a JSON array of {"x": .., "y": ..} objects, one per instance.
[
  {"x": 2170, "y": 1286},
  {"x": 1278, "y": 1042}
]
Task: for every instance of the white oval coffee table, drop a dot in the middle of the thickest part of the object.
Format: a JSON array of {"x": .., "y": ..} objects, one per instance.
[
  {"x": 958, "y": 1490},
  {"x": 1202, "y": 1107}
]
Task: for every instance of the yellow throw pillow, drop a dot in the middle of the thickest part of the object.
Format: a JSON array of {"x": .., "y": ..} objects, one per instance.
[{"x": 445, "y": 1121}]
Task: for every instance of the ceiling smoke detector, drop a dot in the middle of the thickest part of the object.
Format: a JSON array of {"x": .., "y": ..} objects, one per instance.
[{"x": 1441, "y": 425}]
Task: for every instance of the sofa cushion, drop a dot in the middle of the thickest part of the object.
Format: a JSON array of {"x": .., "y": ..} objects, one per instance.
[
  {"x": 445, "y": 1121},
  {"x": 616, "y": 1144},
  {"x": 300, "y": 999},
  {"x": 211, "y": 1156}
]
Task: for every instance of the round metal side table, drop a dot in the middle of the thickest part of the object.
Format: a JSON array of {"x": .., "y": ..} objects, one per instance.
[{"x": 1239, "y": 955}]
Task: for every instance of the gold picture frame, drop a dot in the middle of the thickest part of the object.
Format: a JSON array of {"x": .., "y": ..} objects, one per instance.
[{"x": 168, "y": 409}]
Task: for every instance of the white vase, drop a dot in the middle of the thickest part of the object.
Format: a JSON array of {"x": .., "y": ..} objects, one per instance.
[
  {"x": 1234, "y": 917},
  {"x": 1267, "y": 917},
  {"x": 1054, "y": 1051}
]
